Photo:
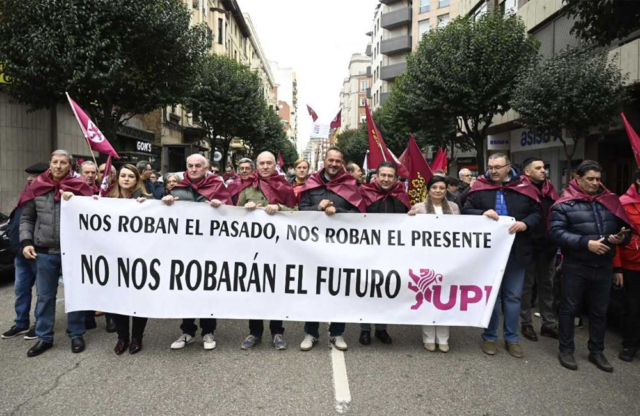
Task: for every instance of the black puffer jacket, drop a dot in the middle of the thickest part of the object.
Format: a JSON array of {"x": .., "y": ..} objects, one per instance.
[
  {"x": 309, "y": 200},
  {"x": 390, "y": 205},
  {"x": 520, "y": 206},
  {"x": 573, "y": 223}
]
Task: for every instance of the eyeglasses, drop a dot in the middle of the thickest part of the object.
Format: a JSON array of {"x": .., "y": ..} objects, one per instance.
[{"x": 496, "y": 168}]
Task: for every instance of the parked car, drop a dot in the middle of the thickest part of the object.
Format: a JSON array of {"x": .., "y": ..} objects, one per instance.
[{"x": 6, "y": 253}]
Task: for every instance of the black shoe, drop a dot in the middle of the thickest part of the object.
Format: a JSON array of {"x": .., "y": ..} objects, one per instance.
[
  {"x": 121, "y": 346},
  {"x": 14, "y": 332},
  {"x": 77, "y": 345},
  {"x": 31, "y": 334},
  {"x": 601, "y": 362},
  {"x": 136, "y": 346},
  {"x": 549, "y": 332},
  {"x": 627, "y": 354},
  {"x": 39, "y": 348},
  {"x": 365, "y": 337},
  {"x": 529, "y": 333},
  {"x": 383, "y": 336},
  {"x": 111, "y": 325},
  {"x": 90, "y": 324},
  {"x": 567, "y": 361}
]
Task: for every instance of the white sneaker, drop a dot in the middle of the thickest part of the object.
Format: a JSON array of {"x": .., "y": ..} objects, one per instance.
[
  {"x": 308, "y": 343},
  {"x": 183, "y": 341},
  {"x": 339, "y": 343},
  {"x": 209, "y": 342}
]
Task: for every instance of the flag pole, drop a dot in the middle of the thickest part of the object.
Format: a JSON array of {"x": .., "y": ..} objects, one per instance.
[{"x": 84, "y": 132}]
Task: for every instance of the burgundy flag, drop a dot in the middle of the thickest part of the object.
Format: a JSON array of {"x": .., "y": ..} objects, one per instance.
[
  {"x": 105, "y": 188},
  {"x": 312, "y": 113},
  {"x": 419, "y": 171},
  {"x": 92, "y": 133},
  {"x": 281, "y": 163},
  {"x": 633, "y": 138},
  {"x": 337, "y": 121},
  {"x": 440, "y": 161},
  {"x": 378, "y": 151}
]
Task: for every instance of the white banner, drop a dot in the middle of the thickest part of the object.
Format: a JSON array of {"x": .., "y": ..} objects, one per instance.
[{"x": 190, "y": 260}]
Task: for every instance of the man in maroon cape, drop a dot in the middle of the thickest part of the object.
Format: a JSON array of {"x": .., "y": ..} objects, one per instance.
[
  {"x": 587, "y": 223},
  {"x": 198, "y": 185},
  {"x": 331, "y": 190},
  {"x": 245, "y": 169},
  {"x": 40, "y": 241},
  {"x": 502, "y": 192},
  {"x": 542, "y": 269},
  {"x": 266, "y": 188},
  {"x": 89, "y": 172},
  {"x": 385, "y": 195}
]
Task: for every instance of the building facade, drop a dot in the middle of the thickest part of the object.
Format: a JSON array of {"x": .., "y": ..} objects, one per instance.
[
  {"x": 356, "y": 88},
  {"x": 287, "y": 82}
]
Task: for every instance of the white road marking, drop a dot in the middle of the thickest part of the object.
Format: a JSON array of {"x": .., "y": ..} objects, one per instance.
[{"x": 340, "y": 380}]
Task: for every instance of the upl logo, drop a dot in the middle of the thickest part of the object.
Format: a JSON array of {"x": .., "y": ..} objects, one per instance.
[{"x": 428, "y": 289}]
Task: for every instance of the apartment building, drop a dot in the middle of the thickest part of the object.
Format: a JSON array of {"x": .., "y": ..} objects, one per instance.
[
  {"x": 356, "y": 88},
  {"x": 287, "y": 82}
]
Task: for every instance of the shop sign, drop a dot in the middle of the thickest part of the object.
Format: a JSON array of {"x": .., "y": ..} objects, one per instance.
[
  {"x": 498, "y": 142},
  {"x": 525, "y": 139},
  {"x": 4, "y": 78},
  {"x": 145, "y": 147}
]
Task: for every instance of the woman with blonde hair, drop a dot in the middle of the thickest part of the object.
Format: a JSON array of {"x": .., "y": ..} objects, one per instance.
[
  {"x": 301, "y": 167},
  {"x": 129, "y": 185},
  {"x": 171, "y": 181},
  {"x": 436, "y": 203}
]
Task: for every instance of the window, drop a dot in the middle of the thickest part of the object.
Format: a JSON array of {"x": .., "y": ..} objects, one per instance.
[
  {"x": 363, "y": 118},
  {"x": 425, "y": 6},
  {"x": 362, "y": 101},
  {"x": 481, "y": 11},
  {"x": 443, "y": 3},
  {"x": 443, "y": 20},
  {"x": 509, "y": 7},
  {"x": 220, "y": 29},
  {"x": 423, "y": 27},
  {"x": 364, "y": 85}
]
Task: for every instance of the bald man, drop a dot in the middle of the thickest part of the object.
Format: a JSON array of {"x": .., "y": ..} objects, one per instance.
[{"x": 198, "y": 185}]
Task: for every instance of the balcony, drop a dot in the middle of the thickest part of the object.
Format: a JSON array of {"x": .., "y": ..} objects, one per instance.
[
  {"x": 396, "y": 18},
  {"x": 368, "y": 50},
  {"x": 369, "y": 71},
  {"x": 393, "y": 46},
  {"x": 388, "y": 2},
  {"x": 391, "y": 72},
  {"x": 369, "y": 93},
  {"x": 383, "y": 97}
]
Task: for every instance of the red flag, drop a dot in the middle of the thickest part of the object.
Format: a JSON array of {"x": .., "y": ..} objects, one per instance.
[
  {"x": 378, "y": 151},
  {"x": 440, "y": 161},
  {"x": 419, "y": 171},
  {"x": 281, "y": 162},
  {"x": 337, "y": 121},
  {"x": 633, "y": 139},
  {"x": 312, "y": 113},
  {"x": 105, "y": 186},
  {"x": 92, "y": 133}
]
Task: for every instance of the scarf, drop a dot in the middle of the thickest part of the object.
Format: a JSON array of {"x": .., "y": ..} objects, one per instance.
[
  {"x": 631, "y": 196},
  {"x": 211, "y": 187},
  {"x": 45, "y": 184},
  {"x": 343, "y": 184},
  {"x": 371, "y": 193},
  {"x": 275, "y": 188},
  {"x": 517, "y": 184}
]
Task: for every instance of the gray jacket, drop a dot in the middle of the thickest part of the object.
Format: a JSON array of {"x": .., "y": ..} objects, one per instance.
[
  {"x": 40, "y": 223},
  {"x": 187, "y": 194}
]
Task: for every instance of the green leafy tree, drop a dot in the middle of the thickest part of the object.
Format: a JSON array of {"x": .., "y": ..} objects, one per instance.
[
  {"x": 271, "y": 137},
  {"x": 601, "y": 22},
  {"x": 228, "y": 101},
  {"x": 116, "y": 58},
  {"x": 465, "y": 71},
  {"x": 573, "y": 90}
]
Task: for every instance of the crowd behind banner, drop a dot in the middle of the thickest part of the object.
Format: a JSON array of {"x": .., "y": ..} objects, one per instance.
[{"x": 572, "y": 248}]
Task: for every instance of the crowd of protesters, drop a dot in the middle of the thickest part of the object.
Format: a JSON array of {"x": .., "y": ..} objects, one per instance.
[{"x": 593, "y": 229}]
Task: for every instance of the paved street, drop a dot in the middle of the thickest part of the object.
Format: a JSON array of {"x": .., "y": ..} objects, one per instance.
[{"x": 380, "y": 380}]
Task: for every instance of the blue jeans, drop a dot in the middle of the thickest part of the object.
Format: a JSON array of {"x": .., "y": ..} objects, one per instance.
[
  {"x": 49, "y": 266},
  {"x": 25, "y": 279},
  {"x": 508, "y": 300}
]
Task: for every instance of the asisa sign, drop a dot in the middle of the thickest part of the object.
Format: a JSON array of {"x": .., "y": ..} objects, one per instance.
[{"x": 525, "y": 139}]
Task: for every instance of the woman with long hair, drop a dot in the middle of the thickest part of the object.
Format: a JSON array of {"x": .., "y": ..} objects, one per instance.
[
  {"x": 129, "y": 185},
  {"x": 436, "y": 203}
]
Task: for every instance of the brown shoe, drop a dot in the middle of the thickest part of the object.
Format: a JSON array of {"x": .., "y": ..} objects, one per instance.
[
  {"x": 514, "y": 349},
  {"x": 489, "y": 347},
  {"x": 529, "y": 333},
  {"x": 549, "y": 332}
]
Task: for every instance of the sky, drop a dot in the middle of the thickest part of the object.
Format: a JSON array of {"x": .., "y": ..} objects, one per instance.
[{"x": 316, "y": 39}]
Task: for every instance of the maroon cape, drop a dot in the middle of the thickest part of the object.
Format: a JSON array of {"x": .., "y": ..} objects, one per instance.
[
  {"x": 235, "y": 187},
  {"x": 520, "y": 185},
  {"x": 371, "y": 193},
  {"x": 547, "y": 191},
  {"x": 606, "y": 198},
  {"x": 343, "y": 184},
  {"x": 275, "y": 188},
  {"x": 631, "y": 196},
  {"x": 45, "y": 184},
  {"x": 211, "y": 187}
]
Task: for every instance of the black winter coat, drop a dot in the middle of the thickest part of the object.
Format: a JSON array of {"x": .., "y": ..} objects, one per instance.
[
  {"x": 573, "y": 223},
  {"x": 390, "y": 205},
  {"x": 521, "y": 207}
]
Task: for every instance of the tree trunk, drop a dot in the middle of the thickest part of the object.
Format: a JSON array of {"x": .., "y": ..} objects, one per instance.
[{"x": 569, "y": 156}]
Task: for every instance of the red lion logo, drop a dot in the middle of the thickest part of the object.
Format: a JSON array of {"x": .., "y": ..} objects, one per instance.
[{"x": 427, "y": 278}]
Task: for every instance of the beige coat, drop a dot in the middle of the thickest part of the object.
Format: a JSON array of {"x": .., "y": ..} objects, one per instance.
[{"x": 426, "y": 207}]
